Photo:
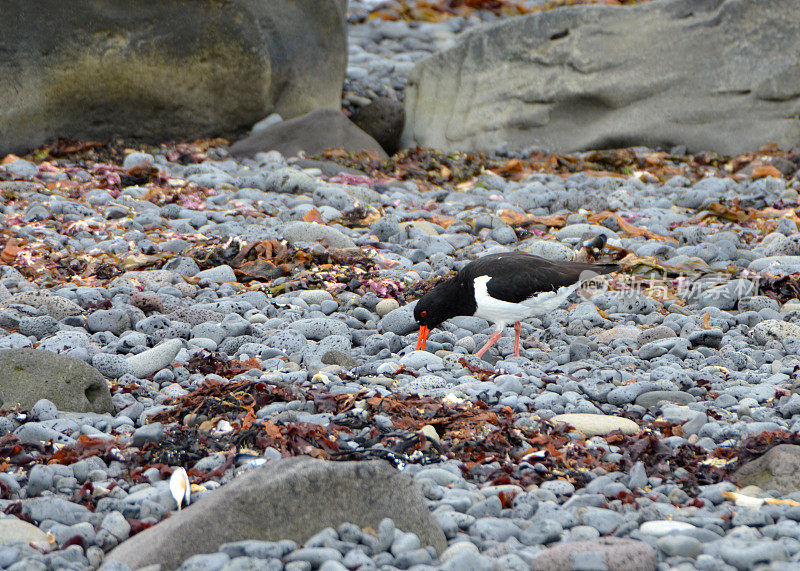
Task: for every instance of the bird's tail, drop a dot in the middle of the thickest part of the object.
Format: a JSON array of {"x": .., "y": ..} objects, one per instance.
[
  {"x": 605, "y": 268},
  {"x": 589, "y": 271},
  {"x": 589, "y": 288}
]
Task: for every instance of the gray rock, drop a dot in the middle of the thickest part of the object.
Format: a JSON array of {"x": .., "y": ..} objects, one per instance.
[
  {"x": 57, "y": 307},
  {"x": 155, "y": 359},
  {"x": 603, "y": 520},
  {"x": 385, "y": 227},
  {"x": 652, "y": 398},
  {"x": 290, "y": 180},
  {"x": 44, "y": 410},
  {"x": 117, "y": 321},
  {"x": 494, "y": 529},
  {"x": 383, "y": 119},
  {"x": 400, "y": 321},
  {"x": 744, "y": 549},
  {"x": 778, "y": 469},
  {"x": 39, "y": 327},
  {"x": 294, "y": 51},
  {"x": 205, "y": 562},
  {"x": 69, "y": 383},
  {"x": 674, "y": 345},
  {"x": 386, "y": 306},
  {"x": 218, "y": 274},
  {"x": 788, "y": 246},
  {"x": 775, "y": 329},
  {"x": 314, "y": 132},
  {"x": 13, "y": 530},
  {"x": 111, "y": 366},
  {"x": 20, "y": 169},
  {"x": 706, "y": 338},
  {"x": 333, "y": 357},
  {"x": 195, "y": 315},
  {"x": 616, "y": 553},
  {"x": 83, "y": 530},
  {"x": 268, "y": 121},
  {"x": 82, "y": 468},
  {"x": 417, "y": 359},
  {"x": 297, "y": 497},
  {"x": 56, "y": 509},
  {"x": 66, "y": 341},
  {"x": 578, "y": 88},
  {"x": 147, "y": 433},
  {"x": 776, "y": 264},
  {"x": 547, "y": 249},
  {"x": 34, "y": 433},
  {"x": 637, "y": 477},
  {"x": 39, "y": 480},
  {"x": 314, "y": 296},
  {"x": 757, "y": 303},
  {"x": 580, "y": 229},
  {"x": 318, "y": 328},
  {"x": 295, "y": 232},
  {"x": 136, "y": 159},
  {"x": 541, "y": 532},
  {"x": 288, "y": 340},
  {"x": 654, "y": 334},
  {"x": 727, "y": 296},
  {"x": 183, "y": 266},
  {"x": 316, "y": 556}
]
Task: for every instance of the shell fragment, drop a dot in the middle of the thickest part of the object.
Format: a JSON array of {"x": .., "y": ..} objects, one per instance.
[{"x": 179, "y": 487}]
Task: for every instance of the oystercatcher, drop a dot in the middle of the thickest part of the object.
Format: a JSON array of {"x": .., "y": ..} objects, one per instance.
[{"x": 503, "y": 288}]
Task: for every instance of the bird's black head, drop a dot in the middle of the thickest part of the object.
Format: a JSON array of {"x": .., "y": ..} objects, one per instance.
[
  {"x": 429, "y": 311},
  {"x": 439, "y": 305},
  {"x": 436, "y": 306}
]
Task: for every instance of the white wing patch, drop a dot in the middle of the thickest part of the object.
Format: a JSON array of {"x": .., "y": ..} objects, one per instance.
[{"x": 503, "y": 312}]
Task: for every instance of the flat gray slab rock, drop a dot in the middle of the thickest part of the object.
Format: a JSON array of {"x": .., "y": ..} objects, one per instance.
[
  {"x": 312, "y": 133},
  {"x": 287, "y": 499},
  {"x": 166, "y": 69},
  {"x": 604, "y": 553},
  {"x": 310, "y": 232},
  {"x": 712, "y": 75},
  {"x": 13, "y": 530},
  {"x": 71, "y": 384}
]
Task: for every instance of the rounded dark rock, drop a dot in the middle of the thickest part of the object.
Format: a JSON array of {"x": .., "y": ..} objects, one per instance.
[
  {"x": 383, "y": 120},
  {"x": 116, "y": 320}
]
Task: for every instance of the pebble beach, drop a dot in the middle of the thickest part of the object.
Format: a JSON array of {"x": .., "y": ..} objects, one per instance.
[{"x": 175, "y": 270}]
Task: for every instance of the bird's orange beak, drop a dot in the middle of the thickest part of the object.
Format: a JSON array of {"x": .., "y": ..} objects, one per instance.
[{"x": 423, "y": 337}]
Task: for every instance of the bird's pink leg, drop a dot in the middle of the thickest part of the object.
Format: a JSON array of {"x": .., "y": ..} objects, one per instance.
[
  {"x": 495, "y": 336},
  {"x": 517, "y": 331}
]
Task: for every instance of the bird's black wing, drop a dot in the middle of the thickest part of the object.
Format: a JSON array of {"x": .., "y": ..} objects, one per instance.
[{"x": 517, "y": 276}]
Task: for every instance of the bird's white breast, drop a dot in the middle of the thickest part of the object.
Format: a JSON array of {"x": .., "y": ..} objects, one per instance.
[{"x": 503, "y": 312}]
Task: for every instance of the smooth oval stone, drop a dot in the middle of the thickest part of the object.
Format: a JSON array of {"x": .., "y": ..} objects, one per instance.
[
  {"x": 680, "y": 546},
  {"x": 661, "y": 527},
  {"x": 596, "y": 424},
  {"x": 652, "y": 398}
]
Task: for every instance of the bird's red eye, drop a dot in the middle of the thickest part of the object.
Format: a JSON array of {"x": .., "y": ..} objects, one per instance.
[{"x": 423, "y": 313}]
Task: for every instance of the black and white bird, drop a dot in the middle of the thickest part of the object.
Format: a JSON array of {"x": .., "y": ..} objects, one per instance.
[{"x": 503, "y": 288}]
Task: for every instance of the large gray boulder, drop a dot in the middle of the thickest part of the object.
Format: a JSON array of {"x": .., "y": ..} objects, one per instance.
[
  {"x": 29, "y": 375},
  {"x": 161, "y": 69},
  {"x": 286, "y": 499},
  {"x": 719, "y": 75},
  {"x": 778, "y": 469}
]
